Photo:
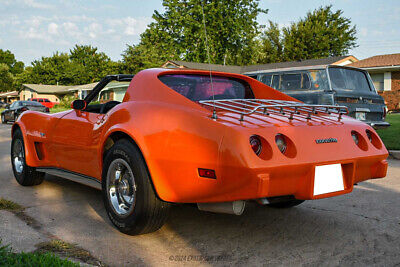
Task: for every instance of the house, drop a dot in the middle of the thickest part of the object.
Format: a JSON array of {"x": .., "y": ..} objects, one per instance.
[
  {"x": 9, "y": 97},
  {"x": 113, "y": 91},
  {"x": 52, "y": 92},
  {"x": 340, "y": 60},
  {"x": 385, "y": 74}
]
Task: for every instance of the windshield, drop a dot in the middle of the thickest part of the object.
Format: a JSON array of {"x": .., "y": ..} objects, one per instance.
[
  {"x": 348, "y": 79},
  {"x": 198, "y": 87}
]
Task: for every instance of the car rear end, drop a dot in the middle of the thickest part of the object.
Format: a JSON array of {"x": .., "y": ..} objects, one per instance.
[
  {"x": 304, "y": 159},
  {"x": 353, "y": 88}
]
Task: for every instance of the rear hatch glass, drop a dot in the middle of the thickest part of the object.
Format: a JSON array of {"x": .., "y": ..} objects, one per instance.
[{"x": 199, "y": 87}]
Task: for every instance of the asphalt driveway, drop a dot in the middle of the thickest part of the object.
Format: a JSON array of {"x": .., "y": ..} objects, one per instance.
[{"x": 361, "y": 228}]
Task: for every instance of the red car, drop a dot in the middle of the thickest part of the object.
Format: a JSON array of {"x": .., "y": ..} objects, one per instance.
[{"x": 44, "y": 101}]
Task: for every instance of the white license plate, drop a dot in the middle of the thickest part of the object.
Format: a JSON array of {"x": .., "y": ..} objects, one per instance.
[
  {"x": 328, "y": 179},
  {"x": 360, "y": 116}
]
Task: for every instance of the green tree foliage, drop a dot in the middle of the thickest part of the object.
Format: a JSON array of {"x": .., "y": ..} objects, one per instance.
[
  {"x": 6, "y": 78},
  {"x": 8, "y": 58},
  {"x": 84, "y": 64},
  {"x": 179, "y": 34},
  {"x": 322, "y": 33},
  {"x": 9, "y": 68}
]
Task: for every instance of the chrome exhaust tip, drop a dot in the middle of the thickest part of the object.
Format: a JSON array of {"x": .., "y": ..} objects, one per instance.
[{"x": 235, "y": 207}]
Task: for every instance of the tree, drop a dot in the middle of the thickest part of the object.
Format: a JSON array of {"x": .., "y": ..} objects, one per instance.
[
  {"x": 179, "y": 33},
  {"x": 271, "y": 44},
  {"x": 8, "y": 58},
  {"x": 6, "y": 78},
  {"x": 322, "y": 33},
  {"x": 84, "y": 64}
]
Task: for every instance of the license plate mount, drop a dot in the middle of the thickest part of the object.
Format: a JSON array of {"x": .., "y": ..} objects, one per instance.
[{"x": 328, "y": 179}]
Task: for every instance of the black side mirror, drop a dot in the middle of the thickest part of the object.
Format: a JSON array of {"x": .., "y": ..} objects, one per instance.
[{"x": 79, "y": 104}]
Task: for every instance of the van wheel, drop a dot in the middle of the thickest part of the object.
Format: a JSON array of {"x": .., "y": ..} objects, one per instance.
[
  {"x": 24, "y": 174},
  {"x": 129, "y": 198}
]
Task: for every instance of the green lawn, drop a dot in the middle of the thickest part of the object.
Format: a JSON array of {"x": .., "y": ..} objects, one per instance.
[
  {"x": 9, "y": 258},
  {"x": 391, "y": 135},
  {"x": 58, "y": 109}
]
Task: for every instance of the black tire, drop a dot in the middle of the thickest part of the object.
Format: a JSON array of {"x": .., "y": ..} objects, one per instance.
[
  {"x": 147, "y": 213},
  {"x": 28, "y": 176},
  {"x": 3, "y": 119}
]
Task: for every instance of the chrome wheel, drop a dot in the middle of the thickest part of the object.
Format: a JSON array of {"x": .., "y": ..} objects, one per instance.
[
  {"x": 18, "y": 156},
  {"x": 121, "y": 187}
]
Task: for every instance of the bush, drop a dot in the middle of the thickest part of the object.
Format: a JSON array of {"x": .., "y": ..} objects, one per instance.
[{"x": 66, "y": 101}]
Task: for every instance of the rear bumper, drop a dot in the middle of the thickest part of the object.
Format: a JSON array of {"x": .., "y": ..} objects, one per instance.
[
  {"x": 296, "y": 180},
  {"x": 378, "y": 124}
]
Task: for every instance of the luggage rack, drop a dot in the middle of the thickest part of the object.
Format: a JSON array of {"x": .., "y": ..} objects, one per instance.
[{"x": 246, "y": 107}]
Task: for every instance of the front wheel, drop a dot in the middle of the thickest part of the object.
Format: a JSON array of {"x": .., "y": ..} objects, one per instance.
[
  {"x": 24, "y": 174},
  {"x": 129, "y": 198}
]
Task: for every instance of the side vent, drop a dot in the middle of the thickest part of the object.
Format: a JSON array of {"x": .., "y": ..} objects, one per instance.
[{"x": 39, "y": 150}]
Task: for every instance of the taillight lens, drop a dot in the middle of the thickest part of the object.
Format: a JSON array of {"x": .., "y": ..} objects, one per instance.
[
  {"x": 255, "y": 144},
  {"x": 281, "y": 143},
  {"x": 355, "y": 137}
]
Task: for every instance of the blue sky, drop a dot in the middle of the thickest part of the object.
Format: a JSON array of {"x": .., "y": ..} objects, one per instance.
[{"x": 35, "y": 28}]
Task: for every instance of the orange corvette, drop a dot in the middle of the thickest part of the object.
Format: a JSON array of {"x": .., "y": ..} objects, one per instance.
[{"x": 186, "y": 136}]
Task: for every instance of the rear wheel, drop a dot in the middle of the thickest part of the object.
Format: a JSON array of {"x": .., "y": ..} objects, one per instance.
[
  {"x": 24, "y": 174},
  {"x": 128, "y": 194},
  {"x": 3, "y": 119}
]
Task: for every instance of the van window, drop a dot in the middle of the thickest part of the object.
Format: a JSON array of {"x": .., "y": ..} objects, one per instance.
[
  {"x": 275, "y": 82},
  {"x": 348, "y": 79},
  {"x": 295, "y": 81},
  {"x": 266, "y": 79}
]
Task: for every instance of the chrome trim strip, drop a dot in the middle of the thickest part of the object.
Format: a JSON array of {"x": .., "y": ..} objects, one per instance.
[{"x": 72, "y": 176}]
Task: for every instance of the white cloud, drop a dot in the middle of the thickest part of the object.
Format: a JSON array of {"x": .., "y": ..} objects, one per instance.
[
  {"x": 130, "y": 26},
  {"x": 34, "y": 4},
  {"x": 52, "y": 28},
  {"x": 94, "y": 29}
]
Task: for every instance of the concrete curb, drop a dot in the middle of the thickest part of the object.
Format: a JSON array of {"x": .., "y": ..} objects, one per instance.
[{"x": 395, "y": 154}]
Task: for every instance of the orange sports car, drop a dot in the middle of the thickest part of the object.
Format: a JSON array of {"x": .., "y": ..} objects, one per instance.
[{"x": 187, "y": 136}]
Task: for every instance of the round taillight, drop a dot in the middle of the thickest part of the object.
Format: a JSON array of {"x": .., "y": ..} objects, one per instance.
[
  {"x": 255, "y": 144},
  {"x": 355, "y": 137},
  {"x": 281, "y": 143}
]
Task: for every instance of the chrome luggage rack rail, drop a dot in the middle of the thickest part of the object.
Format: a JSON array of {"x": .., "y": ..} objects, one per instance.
[{"x": 246, "y": 107}]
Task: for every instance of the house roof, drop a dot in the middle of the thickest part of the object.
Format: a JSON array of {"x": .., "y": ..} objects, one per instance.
[
  {"x": 9, "y": 94},
  {"x": 202, "y": 66},
  {"x": 250, "y": 68},
  {"x": 292, "y": 64},
  {"x": 90, "y": 86},
  {"x": 378, "y": 61},
  {"x": 47, "y": 89}
]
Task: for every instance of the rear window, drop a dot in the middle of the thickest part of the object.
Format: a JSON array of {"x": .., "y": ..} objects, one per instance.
[
  {"x": 347, "y": 79},
  {"x": 198, "y": 87}
]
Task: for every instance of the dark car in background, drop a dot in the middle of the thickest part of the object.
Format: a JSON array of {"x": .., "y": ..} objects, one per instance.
[
  {"x": 330, "y": 85},
  {"x": 12, "y": 112}
]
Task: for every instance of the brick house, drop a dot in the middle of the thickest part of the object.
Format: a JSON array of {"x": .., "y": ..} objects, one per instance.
[{"x": 385, "y": 73}]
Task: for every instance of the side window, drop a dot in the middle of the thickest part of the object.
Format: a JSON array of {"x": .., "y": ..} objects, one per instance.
[
  {"x": 40, "y": 100},
  {"x": 46, "y": 100},
  {"x": 291, "y": 81},
  {"x": 275, "y": 82},
  {"x": 266, "y": 79},
  {"x": 295, "y": 81}
]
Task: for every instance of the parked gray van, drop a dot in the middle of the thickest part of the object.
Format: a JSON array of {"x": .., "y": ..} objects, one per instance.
[{"x": 330, "y": 85}]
